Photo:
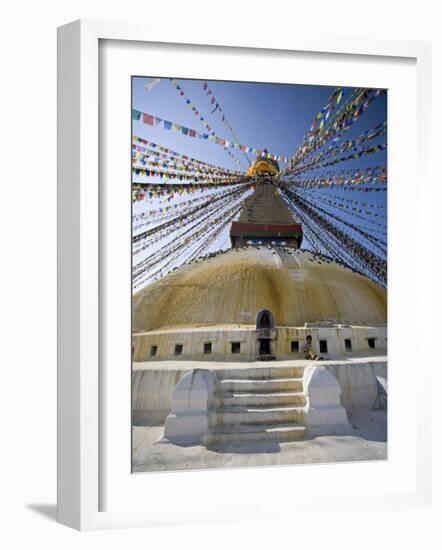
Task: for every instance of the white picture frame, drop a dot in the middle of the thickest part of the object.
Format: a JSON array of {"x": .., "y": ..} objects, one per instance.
[{"x": 79, "y": 273}]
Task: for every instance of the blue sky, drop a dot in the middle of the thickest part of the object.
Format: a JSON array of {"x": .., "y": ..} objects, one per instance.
[{"x": 262, "y": 115}]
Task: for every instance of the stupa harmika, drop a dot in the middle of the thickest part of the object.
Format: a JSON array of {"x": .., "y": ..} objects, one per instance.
[{"x": 217, "y": 319}]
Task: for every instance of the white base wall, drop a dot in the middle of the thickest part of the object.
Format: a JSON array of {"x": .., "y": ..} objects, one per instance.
[
  {"x": 153, "y": 384},
  {"x": 193, "y": 340},
  {"x": 358, "y": 383},
  {"x": 152, "y": 390}
]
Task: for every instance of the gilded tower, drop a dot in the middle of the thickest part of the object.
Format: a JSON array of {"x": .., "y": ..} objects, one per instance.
[{"x": 265, "y": 218}]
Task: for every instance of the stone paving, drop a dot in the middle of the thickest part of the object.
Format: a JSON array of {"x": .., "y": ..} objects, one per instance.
[{"x": 366, "y": 440}]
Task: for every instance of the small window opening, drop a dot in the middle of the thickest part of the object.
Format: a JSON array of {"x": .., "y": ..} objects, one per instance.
[
  {"x": 153, "y": 351},
  {"x": 347, "y": 344},
  {"x": 323, "y": 346},
  {"x": 178, "y": 349},
  {"x": 371, "y": 343},
  {"x": 236, "y": 347},
  {"x": 295, "y": 346},
  {"x": 208, "y": 347}
]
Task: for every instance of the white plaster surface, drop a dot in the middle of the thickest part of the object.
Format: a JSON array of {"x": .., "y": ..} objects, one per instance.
[
  {"x": 325, "y": 414},
  {"x": 152, "y": 390},
  {"x": 358, "y": 383},
  {"x": 188, "y": 422}
]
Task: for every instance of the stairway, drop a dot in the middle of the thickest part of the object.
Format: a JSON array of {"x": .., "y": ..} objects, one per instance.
[
  {"x": 291, "y": 264},
  {"x": 265, "y": 204},
  {"x": 258, "y": 404}
]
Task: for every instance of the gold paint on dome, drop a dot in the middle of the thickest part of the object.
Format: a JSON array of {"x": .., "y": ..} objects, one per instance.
[{"x": 295, "y": 286}]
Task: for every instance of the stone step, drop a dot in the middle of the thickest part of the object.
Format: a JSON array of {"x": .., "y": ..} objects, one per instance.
[
  {"x": 273, "y": 385},
  {"x": 257, "y": 399},
  {"x": 260, "y": 373},
  {"x": 237, "y": 435},
  {"x": 256, "y": 416}
]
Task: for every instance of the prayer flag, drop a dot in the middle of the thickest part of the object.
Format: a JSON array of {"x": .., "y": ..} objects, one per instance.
[
  {"x": 136, "y": 115},
  {"x": 148, "y": 119},
  {"x": 152, "y": 83}
]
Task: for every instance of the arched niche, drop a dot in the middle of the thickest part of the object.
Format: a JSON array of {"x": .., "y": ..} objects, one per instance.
[{"x": 264, "y": 320}]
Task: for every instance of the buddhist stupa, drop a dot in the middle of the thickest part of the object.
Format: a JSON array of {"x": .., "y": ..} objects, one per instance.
[{"x": 201, "y": 309}]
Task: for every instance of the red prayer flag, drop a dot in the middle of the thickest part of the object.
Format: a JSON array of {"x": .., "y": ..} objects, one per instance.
[{"x": 148, "y": 119}]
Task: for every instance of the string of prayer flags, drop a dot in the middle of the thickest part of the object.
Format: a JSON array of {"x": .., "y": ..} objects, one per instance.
[
  {"x": 174, "y": 126},
  {"x": 333, "y": 150},
  {"x": 360, "y": 256},
  {"x": 357, "y": 103},
  {"x": 340, "y": 179},
  {"x": 158, "y": 162},
  {"x": 358, "y": 213},
  {"x": 224, "y": 120},
  {"x": 149, "y": 191},
  {"x": 373, "y": 171},
  {"x": 165, "y": 152},
  {"x": 165, "y": 174},
  {"x": 325, "y": 112},
  {"x": 373, "y": 240},
  {"x": 351, "y": 201},
  {"x": 360, "y": 152},
  {"x": 204, "y": 239},
  {"x": 201, "y": 228},
  {"x": 197, "y": 112},
  {"x": 165, "y": 208},
  {"x": 184, "y": 217}
]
